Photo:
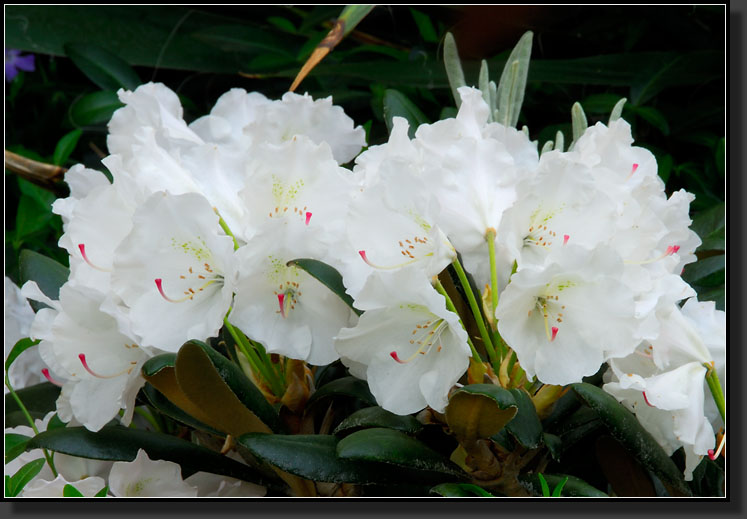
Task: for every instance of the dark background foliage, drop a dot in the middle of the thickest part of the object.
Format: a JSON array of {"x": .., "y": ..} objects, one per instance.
[{"x": 668, "y": 61}]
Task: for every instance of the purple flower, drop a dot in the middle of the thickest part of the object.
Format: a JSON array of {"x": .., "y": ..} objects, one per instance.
[{"x": 15, "y": 62}]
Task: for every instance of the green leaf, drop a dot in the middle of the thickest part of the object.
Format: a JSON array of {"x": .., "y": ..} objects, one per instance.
[
  {"x": 15, "y": 444},
  {"x": 31, "y": 217},
  {"x": 525, "y": 426},
  {"x": 378, "y": 417},
  {"x": 247, "y": 40},
  {"x": 425, "y": 27},
  {"x": 115, "y": 443},
  {"x": 617, "y": 110},
  {"x": 22, "y": 477},
  {"x": 698, "y": 273},
  {"x": 554, "y": 444},
  {"x": 480, "y": 411},
  {"x": 574, "y": 487},
  {"x": 65, "y": 146},
  {"x": 578, "y": 122},
  {"x": 103, "y": 492},
  {"x": 513, "y": 81},
  {"x": 352, "y": 15},
  {"x": 600, "y": 103},
  {"x": 626, "y": 429},
  {"x": 107, "y": 70},
  {"x": 396, "y": 104},
  {"x": 453, "y": 66},
  {"x": 43, "y": 196},
  {"x": 697, "y": 67},
  {"x": 40, "y": 398},
  {"x": 345, "y": 386},
  {"x": 224, "y": 392},
  {"x": 460, "y": 490},
  {"x": 327, "y": 276},
  {"x": 95, "y": 108},
  {"x": 165, "y": 406},
  {"x": 652, "y": 116},
  {"x": 314, "y": 457},
  {"x": 721, "y": 156},
  {"x": 21, "y": 346},
  {"x": 396, "y": 448},
  {"x": 70, "y": 491},
  {"x": 47, "y": 273},
  {"x": 543, "y": 484},
  {"x": 708, "y": 221},
  {"x": 558, "y": 489}
]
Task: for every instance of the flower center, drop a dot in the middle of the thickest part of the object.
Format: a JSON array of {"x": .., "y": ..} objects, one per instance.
[
  {"x": 287, "y": 294},
  {"x": 425, "y": 335},
  {"x": 193, "y": 281},
  {"x": 413, "y": 250},
  {"x": 551, "y": 308}
]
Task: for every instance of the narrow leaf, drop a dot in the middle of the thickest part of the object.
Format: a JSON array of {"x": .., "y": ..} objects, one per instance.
[
  {"x": 396, "y": 104},
  {"x": 21, "y": 346},
  {"x": 105, "y": 69},
  {"x": 95, "y": 108},
  {"x": 453, "y": 67},
  {"x": 559, "y": 141},
  {"x": 23, "y": 476},
  {"x": 425, "y": 27},
  {"x": 513, "y": 81},
  {"x": 327, "y": 276},
  {"x": 543, "y": 483},
  {"x": 617, "y": 110},
  {"x": 70, "y": 491},
  {"x": 116, "y": 443},
  {"x": 559, "y": 488},
  {"x": 484, "y": 85},
  {"x": 65, "y": 146},
  {"x": 578, "y": 122},
  {"x": 574, "y": 487}
]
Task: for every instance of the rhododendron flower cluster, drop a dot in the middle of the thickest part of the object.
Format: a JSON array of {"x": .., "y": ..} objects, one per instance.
[{"x": 576, "y": 256}]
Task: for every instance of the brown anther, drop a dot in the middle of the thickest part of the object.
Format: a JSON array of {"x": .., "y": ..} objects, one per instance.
[{"x": 182, "y": 277}]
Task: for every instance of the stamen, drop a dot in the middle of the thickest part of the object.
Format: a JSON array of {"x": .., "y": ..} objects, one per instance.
[
  {"x": 635, "y": 167},
  {"x": 392, "y": 267},
  {"x": 45, "y": 372},
  {"x": 672, "y": 249},
  {"x": 554, "y": 333},
  {"x": 711, "y": 455},
  {"x": 83, "y": 361},
  {"x": 281, "y": 303},
  {"x": 308, "y": 217},
  {"x": 565, "y": 239},
  {"x": 159, "y": 284},
  {"x": 646, "y": 399},
  {"x": 82, "y": 249},
  {"x": 428, "y": 339}
]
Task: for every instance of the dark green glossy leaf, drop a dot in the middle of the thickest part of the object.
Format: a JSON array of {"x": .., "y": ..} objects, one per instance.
[
  {"x": 378, "y": 417},
  {"x": 31, "y": 217},
  {"x": 246, "y": 40},
  {"x": 95, "y": 108},
  {"x": 708, "y": 479},
  {"x": 107, "y": 70},
  {"x": 47, "y": 273},
  {"x": 21, "y": 346},
  {"x": 165, "y": 406},
  {"x": 55, "y": 423},
  {"x": 70, "y": 491},
  {"x": 157, "y": 363},
  {"x": 698, "y": 273},
  {"x": 396, "y": 104},
  {"x": 22, "y": 477},
  {"x": 16, "y": 418},
  {"x": 65, "y": 146},
  {"x": 554, "y": 445},
  {"x": 396, "y": 448},
  {"x": 327, "y": 276},
  {"x": 345, "y": 386},
  {"x": 314, "y": 457},
  {"x": 626, "y": 429},
  {"x": 652, "y": 116},
  {"x": 707, "y": 222},
  {"x": 15, "y": 444},
  {"x": 40, "y": 398},
  {"x": 600, "y": 103},
  {"x": 202, "y": 388},
  {"x": 115, "y": 443},
  {"x": 480, "y": 410},
  {"x": 574, "y": 487},
  {"x": 525, "y": 426},
  {"x": 460, "y": 490}
]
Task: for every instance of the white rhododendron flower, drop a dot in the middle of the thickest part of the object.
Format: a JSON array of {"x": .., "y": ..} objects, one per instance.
[
  {"x": 172, "y": 271},
  {"x": 281, "y": 305},
  {"x": 98, "y": 364},
  {"x": 213, "y": 485},
  {"x": 409, "y": 348},
  {"x": 564, "y": 319},
  {"x": 26, "y": 369},
  {"x": 143, "y": 477}
]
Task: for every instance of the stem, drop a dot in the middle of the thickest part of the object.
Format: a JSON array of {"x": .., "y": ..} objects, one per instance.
[
  {"x": 715, "y": 386},
  {"x": 30, "y": 420},
  {"x": 254, "y": 361},
  {"x": 476, "y": 312},
  {"x": 450, "y": 306},
  {"x": 226, "y": 229},
  {"x": 490, "y": 238}
]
